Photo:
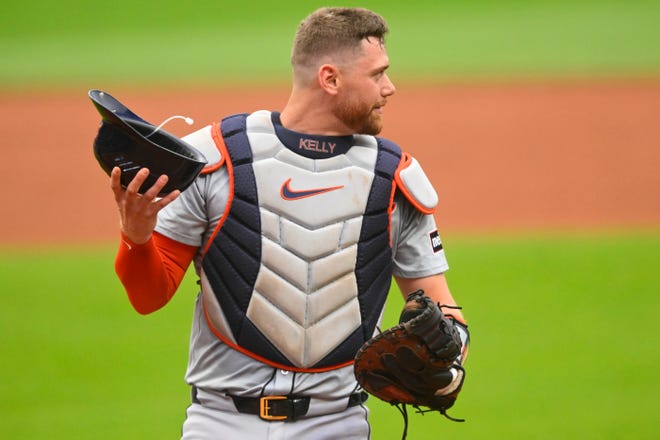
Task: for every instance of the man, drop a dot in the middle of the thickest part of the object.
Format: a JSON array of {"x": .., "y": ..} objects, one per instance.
[{"x": 295, "y": 228}]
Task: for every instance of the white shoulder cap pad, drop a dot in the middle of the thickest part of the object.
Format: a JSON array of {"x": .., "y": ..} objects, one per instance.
[
  {"x": 413, "y": 183},
  {"x": 203, "y": 140}
]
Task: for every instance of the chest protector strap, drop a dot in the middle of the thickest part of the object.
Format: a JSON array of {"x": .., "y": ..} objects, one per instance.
[{"x": 234, "y": 270}]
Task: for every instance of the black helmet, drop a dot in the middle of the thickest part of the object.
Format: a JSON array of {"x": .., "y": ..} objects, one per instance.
[{"x": 127, "y": 141}]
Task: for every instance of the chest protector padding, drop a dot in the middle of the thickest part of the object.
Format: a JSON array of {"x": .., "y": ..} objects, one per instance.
[{"x": 252, "y": 268}]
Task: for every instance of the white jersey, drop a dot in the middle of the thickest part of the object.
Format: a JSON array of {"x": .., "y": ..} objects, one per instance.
[{"x": 193, "y": 218}]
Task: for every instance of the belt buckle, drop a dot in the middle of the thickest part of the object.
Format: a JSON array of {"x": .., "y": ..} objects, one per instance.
[{"x": 264, "y": 408}]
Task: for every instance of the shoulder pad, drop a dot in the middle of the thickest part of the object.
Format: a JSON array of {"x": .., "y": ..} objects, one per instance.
[
  {"x": 209, "y": 142},
  {"x": 415, "y": 186}
]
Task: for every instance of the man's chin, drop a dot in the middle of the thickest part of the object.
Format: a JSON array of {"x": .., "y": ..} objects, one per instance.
[
  {"x": 374, "y": 127},
  {"x": 371, "y": 125}
]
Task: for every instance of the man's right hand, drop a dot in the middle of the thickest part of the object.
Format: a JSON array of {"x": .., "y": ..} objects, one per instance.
[{"x": 138, "y": 213}]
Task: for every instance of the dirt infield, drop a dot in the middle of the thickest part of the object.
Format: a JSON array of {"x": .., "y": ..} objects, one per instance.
[{"x": 503, "y": 157}]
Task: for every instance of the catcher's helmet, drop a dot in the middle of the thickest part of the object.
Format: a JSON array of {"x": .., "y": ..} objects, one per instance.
[{"x": 127, "y": 141}]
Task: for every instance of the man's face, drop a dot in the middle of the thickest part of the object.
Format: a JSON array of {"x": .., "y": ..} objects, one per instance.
[{"x": 365, "y": 90}]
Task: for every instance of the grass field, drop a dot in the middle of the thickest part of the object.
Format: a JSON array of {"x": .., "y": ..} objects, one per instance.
[
  {"x": 564, "y": 345},
  {"x": 75, "y": 43}
]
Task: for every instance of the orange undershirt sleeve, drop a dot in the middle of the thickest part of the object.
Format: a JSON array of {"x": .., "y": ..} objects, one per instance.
[{"x": 151, "y": 272}]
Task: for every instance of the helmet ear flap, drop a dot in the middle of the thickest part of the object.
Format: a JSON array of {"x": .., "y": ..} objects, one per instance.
[{"x": 129, "y": 142}]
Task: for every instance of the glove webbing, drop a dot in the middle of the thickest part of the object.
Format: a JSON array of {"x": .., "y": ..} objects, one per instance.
[{"x": 424, "y": 328}]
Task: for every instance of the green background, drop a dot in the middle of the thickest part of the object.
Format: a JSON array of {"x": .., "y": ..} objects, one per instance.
[
  {"x": 565, "y": 340},
  {"x": 74, "y": 42},
  {"x": 564, "y": 327}
]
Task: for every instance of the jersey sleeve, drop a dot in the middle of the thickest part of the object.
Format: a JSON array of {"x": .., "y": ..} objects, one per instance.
[
  {"x": 416, "y": 244},
  {"x": 194, "y": 215},
  {"x": 151, "y": 272}
]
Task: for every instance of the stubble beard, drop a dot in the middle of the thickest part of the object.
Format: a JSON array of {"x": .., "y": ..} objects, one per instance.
[{"x": 360, "y": 117}]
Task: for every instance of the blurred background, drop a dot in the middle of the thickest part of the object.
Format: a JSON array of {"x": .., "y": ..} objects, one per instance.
[{"x": 536, "y": 121}]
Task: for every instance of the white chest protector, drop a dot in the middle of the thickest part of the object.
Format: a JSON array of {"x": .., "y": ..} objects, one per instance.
[{"x": 297, "y": 272}]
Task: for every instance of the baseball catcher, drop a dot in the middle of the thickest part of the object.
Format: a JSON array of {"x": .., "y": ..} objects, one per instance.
[
  {"x": 417, "y": 362},
  {"x": 293, "y": 234}
]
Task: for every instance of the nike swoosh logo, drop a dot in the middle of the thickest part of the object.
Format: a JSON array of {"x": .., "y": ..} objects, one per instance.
[{"x": 290, "y": 194}]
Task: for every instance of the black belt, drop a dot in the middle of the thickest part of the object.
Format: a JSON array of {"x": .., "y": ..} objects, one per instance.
[{"x": 280, "y": 408}]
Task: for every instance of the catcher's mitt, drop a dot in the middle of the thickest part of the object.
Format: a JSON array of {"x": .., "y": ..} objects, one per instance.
[{"x": 417, "y": 362}]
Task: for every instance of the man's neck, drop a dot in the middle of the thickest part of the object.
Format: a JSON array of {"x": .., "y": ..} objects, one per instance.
[
  {"x": 313, "y": 146},
  {"x": 306, "y": 112}
]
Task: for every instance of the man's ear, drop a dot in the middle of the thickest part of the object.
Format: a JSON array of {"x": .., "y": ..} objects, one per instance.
[{"x": 328, "y": 77}]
